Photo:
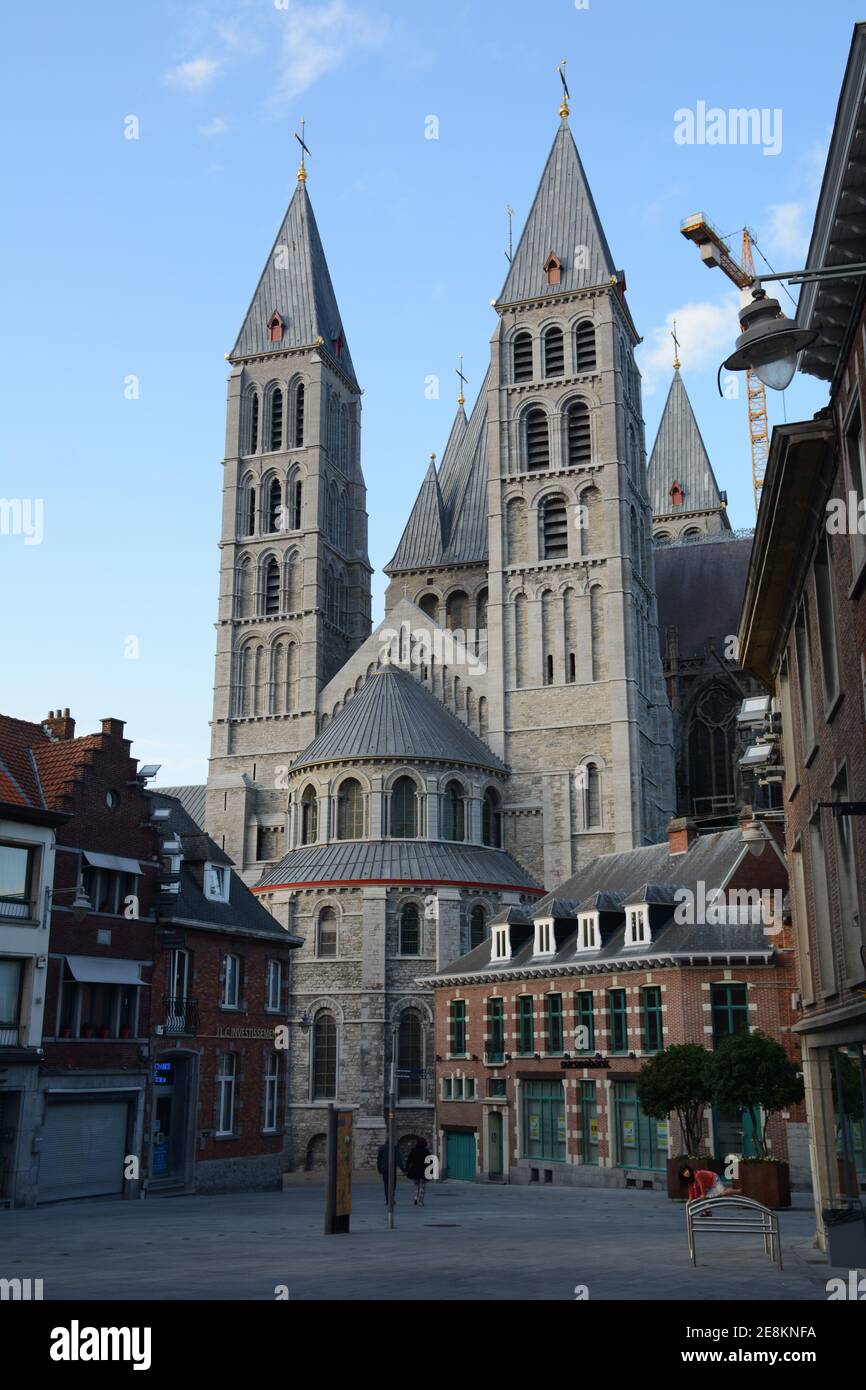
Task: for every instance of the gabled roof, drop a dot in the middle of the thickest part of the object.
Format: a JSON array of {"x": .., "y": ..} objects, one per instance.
[
  {"x": 192, "y": 798},
  {"x": 61, "y": 764},
  {"x": 19, "y": 778},
  {"x": 563, "y": 216},
  {"x": 394, "y": 716},
  {"x": 679, "y": 456},
  {"x": 417, "y": 862},
  {"x": 297, "y": 284}
]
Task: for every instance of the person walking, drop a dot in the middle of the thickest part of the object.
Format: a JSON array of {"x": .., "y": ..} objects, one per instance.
[
  {"x": 382, "y": 1167},
  {"x": 416, "y": 1169}
]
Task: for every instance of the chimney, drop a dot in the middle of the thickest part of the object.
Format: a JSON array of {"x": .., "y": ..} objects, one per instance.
[
  {"x": 61, "y": 725},
  {"x": 113, "y": 727},
  {"x": 681, "y": 833}
]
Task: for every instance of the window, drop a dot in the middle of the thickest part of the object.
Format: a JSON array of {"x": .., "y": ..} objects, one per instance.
[
  {"x": 640, "y": 1141},
  {"x": 823, "y": 924},
  {"x": 254, "y": 423},
  {"x": 856, "y": 455},
  {"x": 296, "y": 501},
  {"x": 404, "y": 809},
  {"x": 11, "y": 979},
  {"x": 270, "y": 1109},
  {"x": 826, "y": 620},
  {"x": 447, "y": 1088},
  {"x": 584, "y": 347},
  {"x": 730, "y": 1010},
  {"x": 273, "y": 985},
  {"x": 653, "y": 1032},
  {"x": 803, "y": 644},
  {"x": 226, "y": 1086},
  {"x": 637, "y": 929},
  {"x": 543, "y": 1121},
  {"x": 275, "y": 506},
  {"x": 552, "y": 269},
  {"x": 545, "y": 938},
  {"x": 106, "y": 889},
  {"x": 588, "y": 934},
  {"x": 97, "y": 1010},
  {"x": 272, "y": 587},
  {"x": 496, "y": 1086},
  {"x": 410, "y": 1057},
  {"x": 584, "y": 1040},
  {"x": 326, "y": 944},
  {"x": 350, "y": 810},
  {"x": 299, "y": 415},
  {"x": 501, "y": 944},
  {"x": 216, "y": 882},
  {"x": 276, "y": 422},
  {"x": 849, "y": 898},
  {"x": 495, "y": 1045},
  {"x": 16, "y": 880},
  {"x": 429, "y": 604},
  {"x": 457, "y": 1028},
  {"x": 457, "y": 611},
  {"x": 491, "y": 819},
  {"x": 553, "y": 1007},
  {"x": 618, "y": 1020},
  {"x": 554, "y": 528},
  {"x": 453, "y": 827},
  {"x": 523, "y": 357},
  {"x": 309, "y": 816},
  {"x": 324, "y": 1057},
  {"x": 275, "y": 328},
  {"x": 554, "y": 353},
  {"x": 469, "y": 1088},
  {"x": 525, "y": 1025},
  {"x": 578, "y": 438},
  {"x": 231, "y": 982},
  {"x": 410, "y": 930},
  {"x": 592, "y": 798},
  {"x": 477, "y": 926},
  {"x": 250, "y": 518},
  {"x": 537, "y": 440},
  {"x": 588, "y": 1122}
]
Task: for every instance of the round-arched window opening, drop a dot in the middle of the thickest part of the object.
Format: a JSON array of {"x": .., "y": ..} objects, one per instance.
[{"x": 112, "y": 800}]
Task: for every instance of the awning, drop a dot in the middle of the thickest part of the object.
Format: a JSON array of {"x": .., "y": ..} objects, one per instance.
[
  {"x": 112, "y": 861},
  {"x": 104, "y": 970}
]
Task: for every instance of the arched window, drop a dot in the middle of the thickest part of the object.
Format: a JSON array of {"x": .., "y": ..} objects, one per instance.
[
  {"x": 326, "y": 939},
  {"x": 676, "y": 495},
  {"x": 324, "y": 1057},
  {"x": 457, "y": 611},
  {"x": 453, "y": 820},
  {"x": 712, "y": 730},
  {"x": 554, "y": 528},
  {"x": 275, "y": 328},
  {"x": 554, "y": 352},
  {"x": 491, "y": 819},
  {"x": 291, "y": 577},
  {"x": 578, "y": 439},
  {"x": 404, "y": 809},
  {"x": 309, "y": 817},
  {"x": 296, "y": 498},
  {"x": 410, "y": 930},
  {"x": 661, "y": 535},
  {"x": 552, "y": 269},
  {"x": 275, "y": 419},
  {"x": 516, "y": 531},
  {"x": 251, "y": 432},
  {"x": 596, "y": 627},
  {"x": 537, "y": 440},
  {"x": 591, "y": 797},
  {"x": 584, "y": 347},
  {"x": 275, "y": 506},
  {"x": 350, "y": 810},
  {"x": 272, "y": 586},
  {"x": 410, "y": 1056},
  {"x": 250, "y": 511},
  {"x": 299, "y": 415},
  {"x": 477, "y": 927},
  {"x": 692, "y": 531},
  {"x": 429, "y": 604},
  {"x": 244, "y": 589},
  {"x": 481, "y": 614},
  {"x": 523, "y": 357}
]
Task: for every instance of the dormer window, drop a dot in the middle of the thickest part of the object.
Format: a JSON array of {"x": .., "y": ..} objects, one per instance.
[
  {"x": 637, "y": 928},
  {"x": 676, "y": 495},
  {"x": 553, "y": 269},
  {"x": 338, "y": 344},
  {"x": 501, "y": 949},
  {"x": 545, "y": 938},
  {"x": 275, "y": 327},
  {"x": 588, "y": 932},
  {"x": 216, "y": 883}
]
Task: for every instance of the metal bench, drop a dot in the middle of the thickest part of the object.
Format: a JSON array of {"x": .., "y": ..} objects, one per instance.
[{"x": 734, "y": 1214}]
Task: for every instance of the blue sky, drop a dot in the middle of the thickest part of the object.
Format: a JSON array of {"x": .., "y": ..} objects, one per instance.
[{"x": 137, "y": 258}]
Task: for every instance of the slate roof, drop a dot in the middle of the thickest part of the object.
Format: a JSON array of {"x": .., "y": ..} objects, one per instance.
[
  {"x": 563, "y": 216},
  {"x": 679, "y": 455},
  {"x": 298, "y": 286},
  {"x": 699, "y": 589},
  {"x": 242, "y": 913},
  {"x": 400, "y": 861},
  {"x": 394, "y": 716},
  {"x": 448, "y": 523},
  {"x": 193, "y": 800}
]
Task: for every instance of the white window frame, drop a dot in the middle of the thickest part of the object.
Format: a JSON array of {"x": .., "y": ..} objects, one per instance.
[
  {"x": 637, "y": 926},
  {"x": 227, "y": 1092},
  {"x": 545, "y": 937},
  {"x": 216, "y": 882},
  {"x": 588, "y": 932},
  {"x": 501, "y": 944},
  {"x": 230, "y": 999},
  {"x": 271, "y": 1094},
  {"x": 273, "y": 974}
]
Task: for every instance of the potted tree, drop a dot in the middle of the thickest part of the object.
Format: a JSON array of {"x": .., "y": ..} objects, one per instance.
[
  {"x": 752, "y": 1072},
  {"x": 677, "y": 1081}
]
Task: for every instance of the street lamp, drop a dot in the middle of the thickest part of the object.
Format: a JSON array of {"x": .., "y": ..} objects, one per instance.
[{"x": 770, "y": 342}]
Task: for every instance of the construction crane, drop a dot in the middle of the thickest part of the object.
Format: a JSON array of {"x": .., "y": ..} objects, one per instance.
[{"x": 715, "y": 252}]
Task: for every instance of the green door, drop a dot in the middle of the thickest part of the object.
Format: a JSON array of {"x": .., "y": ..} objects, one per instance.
[{"x": 459, "y": 1155}]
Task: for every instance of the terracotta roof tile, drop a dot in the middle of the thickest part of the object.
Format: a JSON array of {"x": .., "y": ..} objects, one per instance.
[
  {"x": 19, "y": 781},
  {"x": 60, "y": 763}
]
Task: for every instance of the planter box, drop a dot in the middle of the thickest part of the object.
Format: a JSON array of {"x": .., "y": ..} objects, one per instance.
[
  {"x": 767, "y": 1183},
  {"x": 679, "y": 1191},
  {"x": 849, "y": 1183}
]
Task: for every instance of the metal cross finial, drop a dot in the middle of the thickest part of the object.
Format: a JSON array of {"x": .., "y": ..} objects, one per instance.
[
  {"x": 461, "y": 399},
  {"x": 676, "y": 347},
  {"x": 510, "y": 252},
  {"x": 566, "y": 94},
  {"x": 302, "y": 172}
]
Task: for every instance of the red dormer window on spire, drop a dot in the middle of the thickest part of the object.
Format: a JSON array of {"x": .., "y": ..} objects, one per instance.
[
  {"x": 552, "y": 269},
  {"x": 338, "y": 344},
  {"x": 676, "y": 495},
  {"x": 275, "y": 327}
]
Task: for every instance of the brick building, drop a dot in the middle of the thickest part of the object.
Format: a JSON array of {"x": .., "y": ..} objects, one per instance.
[
  {"x": 803, "y": 633},
  {"x": 542, "y": 1030}
]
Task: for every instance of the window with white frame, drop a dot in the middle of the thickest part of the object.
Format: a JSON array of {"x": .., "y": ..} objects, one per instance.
[
  {"x": 273, "y": 985},
  {"x": 545, "y": 939},
  {"x": 231, "y": 982},
  {"x": 588, "y": 932},
  {"x": 501, "y": 944},
  {"x": 272, "y": 1090},
  {"x": 216, "y": 883},
  {"x": 637, "y": 929},
  {"x": 226, "y": 1088}
]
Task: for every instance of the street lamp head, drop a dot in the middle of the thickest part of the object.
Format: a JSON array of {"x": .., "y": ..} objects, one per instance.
[
  {"x": 305, "y": 1022},
  {"x": 770, "y": 342}
]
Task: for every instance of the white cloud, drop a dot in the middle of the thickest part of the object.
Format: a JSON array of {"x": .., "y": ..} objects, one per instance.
[
  {"x": 706, "y": 333},
  {"x": 218, "y": 125},
  {"x": 318, "y": 39},
  {"x": 788, "y": 231},
  {"x": 193, "y": 76}
]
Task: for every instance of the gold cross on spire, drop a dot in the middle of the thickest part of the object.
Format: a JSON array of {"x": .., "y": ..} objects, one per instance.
[
  {"x": 566, "y": 94},
  {"x": 461, "y": 399},
  {"x": 302, "y": 172},
  {"x": 676, "y": 347}
]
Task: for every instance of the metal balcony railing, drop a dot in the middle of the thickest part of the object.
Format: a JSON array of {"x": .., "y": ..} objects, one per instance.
[
  {"x": 181, "y": 1015},
  {"x": 9, "y": 1037}
]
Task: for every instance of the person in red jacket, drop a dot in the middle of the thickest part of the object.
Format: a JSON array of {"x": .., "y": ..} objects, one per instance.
[{"x": 702, "y": 1183}]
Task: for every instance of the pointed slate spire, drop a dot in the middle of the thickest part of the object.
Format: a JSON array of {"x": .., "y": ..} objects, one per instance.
[
  {"x": 423, "y": 539},
  {"x": 296, "y": 284},
  {"x": 679, "y": 456},
  {"x": 563, "y": 221},
  {"x": 452, "y": 449}
]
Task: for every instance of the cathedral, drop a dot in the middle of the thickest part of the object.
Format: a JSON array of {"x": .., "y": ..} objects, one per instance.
[{"x": 386, "y": 791}]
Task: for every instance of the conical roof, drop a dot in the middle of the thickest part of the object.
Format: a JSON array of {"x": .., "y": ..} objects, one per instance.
[
  {"x": 394, "y": 716},
  {"x": 679, "y": 456},
  {"x": 563, "y": 217},
  {"x": 296, "y": 283}
]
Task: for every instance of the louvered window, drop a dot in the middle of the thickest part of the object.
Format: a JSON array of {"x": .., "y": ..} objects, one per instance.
[
  {"x": 537, "y": 441},
  {"x": 296, "y": 507},
  {"x": 275, "y": 506},
  {"x": 251, "y": 512},
  {"x": 578, "y": 434},
  {"x": 584, "y": 347},
  {"x": 523, "y": 357},
  {"x": 277, "y": 419},
  {"x": 272, "y": 587},
  {"x": 554, "y": 528},
  {"x": 254, "y": 423},
  {"x": 299, "y": 416},
  {"x": 554, "y": 353}
]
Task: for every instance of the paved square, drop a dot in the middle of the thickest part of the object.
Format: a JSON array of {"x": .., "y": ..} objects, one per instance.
[{"x": 470, "y": 1241}]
